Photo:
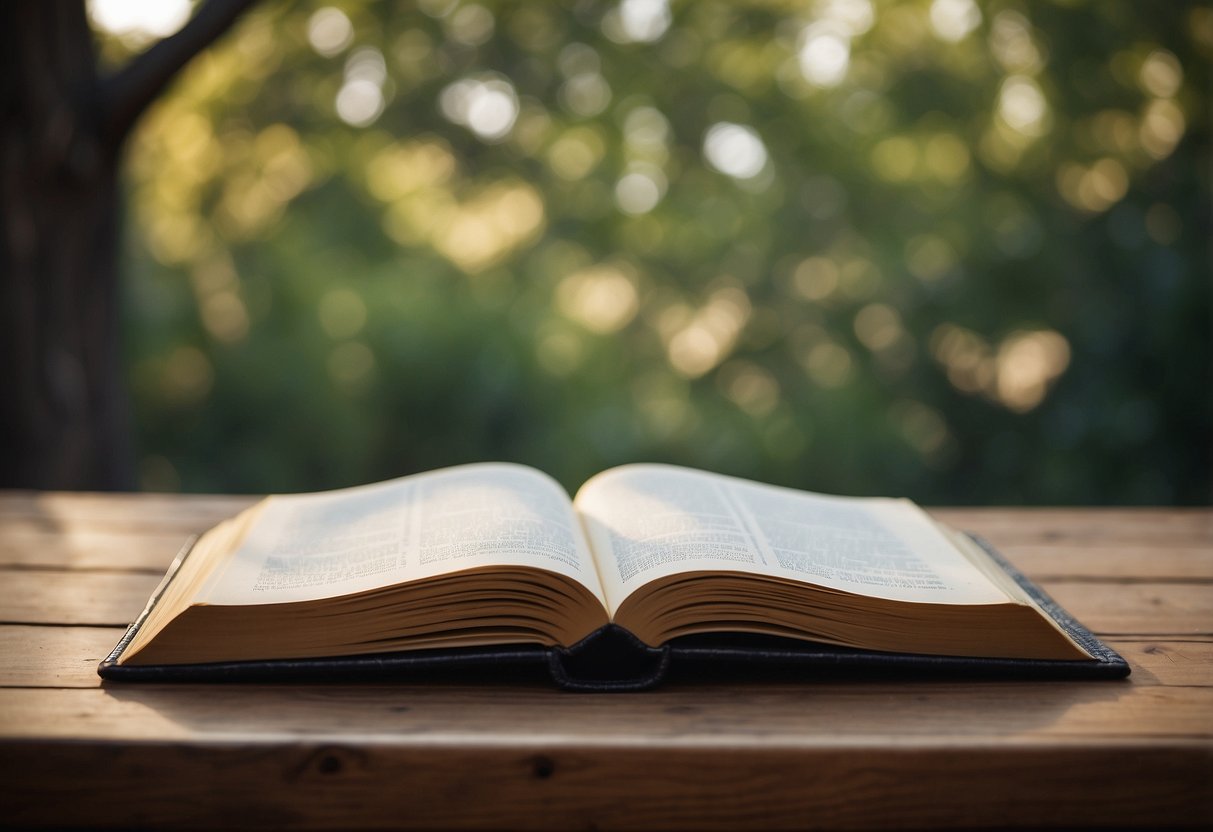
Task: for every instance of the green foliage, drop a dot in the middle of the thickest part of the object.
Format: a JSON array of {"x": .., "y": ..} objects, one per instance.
[{"x": 957, "y": 252}]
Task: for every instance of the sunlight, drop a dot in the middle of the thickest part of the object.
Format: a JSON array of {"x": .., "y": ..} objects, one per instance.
[
  {"x": 484, "y": 229},
  {"x": 855, "y": 16},
  {"x": 360, "y": 100},
  {"x": 824, "y": 55},
  {"x": 139, "y": 20},
  {"x": 640, "y": 189},
  {"x": 965, "y": 355},
  {"x": 585, "y": 94},
  {"x": 1012, "y": 44},
  {"x": 1028, "y": 362},
  {"x": 1161, "y": 128},
  {"x": 366, "y": 64},
  {"x": 921, "y": 425},
  {"x": 646, "y": 130},
  {"x": 1017, "y": 375},
  {"x": 1022, "y": 105},
  {"x": 1161, "y": 74},
  {"x": 329, "y": 31},
  {"x": 471, "y": 25},
  {"x": 1095, "y": 188},
  {"x": 769, "y": 212},
  {"x": 576, "y": 153},
  {"x": 602, "y": 298},
  {"x": 749, "y": 386},
  {"x": 878, "y": 326},
  {"x": 637, "y": 21},
  {"x": 953, "y": 20},
  {"x": 946, "y": 156},
  {"x": 930, "y": 257},
  {"x": 815, "y": 278},
  {"x": 735, "y": 150},
  {"x": 223, "y": 311},
  {"x": 400, "y": 169},
  {"x": 225, "y": 317},
  {"x": 711, "y": 333},
  {"x": 486, "y": 105}
]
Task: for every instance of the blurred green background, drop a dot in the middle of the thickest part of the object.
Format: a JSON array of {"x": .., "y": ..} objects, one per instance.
[{"x": 946, "y": 250}]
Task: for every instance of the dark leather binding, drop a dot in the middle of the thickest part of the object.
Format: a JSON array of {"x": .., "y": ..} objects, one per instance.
[{"x": 612, "y": 659}]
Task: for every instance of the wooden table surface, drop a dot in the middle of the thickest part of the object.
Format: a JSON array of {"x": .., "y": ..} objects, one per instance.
[{"x": 832, "y": 753}]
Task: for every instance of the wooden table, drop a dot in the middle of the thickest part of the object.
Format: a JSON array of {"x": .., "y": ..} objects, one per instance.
[{"x": 74, "y": 569}]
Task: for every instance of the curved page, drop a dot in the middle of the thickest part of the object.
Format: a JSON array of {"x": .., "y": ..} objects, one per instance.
[
  {"x": 309, "y": 546},
  {"x": 649, "y": 521}
]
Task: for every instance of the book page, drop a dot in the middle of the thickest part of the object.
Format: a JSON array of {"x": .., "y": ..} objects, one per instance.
[
  {"x": 308, "y": 546},
  {"x": 649, "y": 521}
]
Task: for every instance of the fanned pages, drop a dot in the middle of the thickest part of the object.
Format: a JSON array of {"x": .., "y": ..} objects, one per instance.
[
  {"x": 684, "y": 552},
  {"x": 497, "y": 554},
  {"x": 476, "y": 555}
]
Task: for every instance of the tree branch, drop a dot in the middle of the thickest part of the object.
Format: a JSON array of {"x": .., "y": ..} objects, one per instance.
[{"x": 128, "y": 92}]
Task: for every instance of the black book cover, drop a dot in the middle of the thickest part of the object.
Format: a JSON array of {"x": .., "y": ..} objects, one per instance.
[{"x": 612, "y": 659}]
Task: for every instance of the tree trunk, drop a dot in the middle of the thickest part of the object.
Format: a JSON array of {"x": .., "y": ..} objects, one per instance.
[
  {"x": 64, "y": 408},
  {"x": 64, "y": 413}
]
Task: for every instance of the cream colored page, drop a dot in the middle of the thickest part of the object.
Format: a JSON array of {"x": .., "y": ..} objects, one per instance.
[
  {"x": 650, "y": 521},
  {"x": 310, "y": 546}
]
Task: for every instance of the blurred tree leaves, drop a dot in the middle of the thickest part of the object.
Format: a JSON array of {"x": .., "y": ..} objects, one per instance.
[{"x": 947, "y": 250}]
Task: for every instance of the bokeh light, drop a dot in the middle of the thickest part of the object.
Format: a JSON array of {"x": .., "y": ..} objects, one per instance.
[
  {"x": 487, "y": 105},
  {"x": 139, "y": 20},
  {"x": 735, "y": 149},
  {"x": 948, "y": 249}
]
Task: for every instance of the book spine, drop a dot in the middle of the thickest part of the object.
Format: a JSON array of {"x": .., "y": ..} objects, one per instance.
[
  {"x": 608, "y": 659},
  {"x": 111, "y": 660}
]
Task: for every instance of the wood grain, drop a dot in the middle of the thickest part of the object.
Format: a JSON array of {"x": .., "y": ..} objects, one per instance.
[
  {"x": 185, "y": 513},
  {"x": 1145, "y": 608},
  {"x": 829, "y": 753},
  {"x": 1166, "y": 662},
  {"x": 1085, "y": 526},
  {"x": 1113, "y": 562},
  {"x": 64, "y": 656},
  {"x": 535, "y": 783},
  {"x": 736, "y": 715},
  {"x": 54, "y": 657},
  {"x": 81, "y": 548},
  {"x": 82, "y": 598}
]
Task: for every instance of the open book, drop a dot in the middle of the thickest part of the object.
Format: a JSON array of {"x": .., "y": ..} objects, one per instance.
[{"x": 497, "y": 554}]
